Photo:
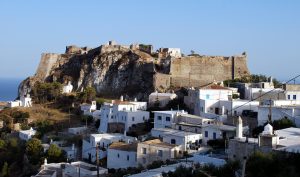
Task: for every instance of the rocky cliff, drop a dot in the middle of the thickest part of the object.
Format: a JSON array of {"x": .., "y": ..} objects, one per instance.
[{"x": 116, "y": 70}]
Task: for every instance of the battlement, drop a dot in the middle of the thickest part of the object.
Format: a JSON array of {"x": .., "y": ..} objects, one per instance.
[{"x": 73, "y": 49}]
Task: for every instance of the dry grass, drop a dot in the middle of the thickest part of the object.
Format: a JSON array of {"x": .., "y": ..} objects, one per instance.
[{"x": 39, "y": 112}]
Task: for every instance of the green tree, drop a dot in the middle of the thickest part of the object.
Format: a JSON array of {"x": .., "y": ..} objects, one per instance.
[
  {"x": 55, "y": 154},
  {"x": 283, "y": 123},
  {"x": 90, "y": 93},
  {"x": 43, "y": 127},
  {"x": 34, "y": 150},
  {"x": 2, "y": 144},
  {"x": 5, "y": 170}
]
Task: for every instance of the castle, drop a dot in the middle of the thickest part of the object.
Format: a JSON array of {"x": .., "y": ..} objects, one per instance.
[{"x": 115, "y": 68}]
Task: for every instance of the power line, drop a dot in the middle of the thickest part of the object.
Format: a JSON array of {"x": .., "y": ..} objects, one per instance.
[{"x": 217, "y": 116}]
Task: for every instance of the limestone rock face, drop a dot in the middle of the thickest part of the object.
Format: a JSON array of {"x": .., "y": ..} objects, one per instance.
[
  {"x": 115, "y": 70},
  {"x": 113, "y": 73}
]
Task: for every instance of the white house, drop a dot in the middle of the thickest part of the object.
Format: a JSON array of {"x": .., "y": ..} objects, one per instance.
[
  {"x": 122, "y": 114},
  {"x": 173, "y": 52},
  {"x": 129, "y": 118},
  {"x": 88, "y": 109},
  {"x": 71, "y": 151},
  {"x": 26, "y": 101},
  {"x": 122, "y": 155},
  {"x": 77, "y": 168},
  {"x": 77, "y": 130},
  {"x": 184, "y": 140},
  {"x": 165, "y": 119},
  {"x": 212, "y": 92},
  {"x": 217, "y": 131},
  {"x": 158, "y": 172},
  {"x": 27, "y": 134},
  {"x": 68, "y": 88},
  {"x": 103, "y": 141},
  {"x": 291, "y": 112},
  {"x": 191, "y": 123},
  {"x": 281, "y": 140},
  {"x": 213, "y": 108},
  {"x": 153, "y": 150},
  {"x": 15, "y": 103},
  {"x": 162, "y": 99}
]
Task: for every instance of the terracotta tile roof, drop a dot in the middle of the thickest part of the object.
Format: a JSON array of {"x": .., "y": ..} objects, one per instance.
[{"x": 124, "y": 146}]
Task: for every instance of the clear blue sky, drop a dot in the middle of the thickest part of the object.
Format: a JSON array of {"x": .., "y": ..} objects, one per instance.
[{"x": 268, "y": 30}]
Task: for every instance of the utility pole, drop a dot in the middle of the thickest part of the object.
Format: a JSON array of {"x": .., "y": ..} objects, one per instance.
[
  {"x": 69, "y": 117},
  {"x": 97, "y": 148},
  {"x": 270, "y": 112},
  {"x": 79, "y": 170}
]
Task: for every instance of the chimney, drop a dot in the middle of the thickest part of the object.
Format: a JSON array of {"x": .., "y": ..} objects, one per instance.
[
  {"x": 239, "y": 128},
  {"x": 45, "y": 163}
]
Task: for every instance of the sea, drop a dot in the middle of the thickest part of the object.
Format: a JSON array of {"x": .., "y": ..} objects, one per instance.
[{"x": 9, "y": 88}]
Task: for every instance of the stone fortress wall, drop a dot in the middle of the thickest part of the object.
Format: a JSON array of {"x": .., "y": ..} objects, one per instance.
[
  {"x": 189, "y": 71},
  {"x": 196, "y": 71}
]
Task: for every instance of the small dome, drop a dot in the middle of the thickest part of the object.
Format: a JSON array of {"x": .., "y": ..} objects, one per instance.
[{"x": 268, "y": 130}]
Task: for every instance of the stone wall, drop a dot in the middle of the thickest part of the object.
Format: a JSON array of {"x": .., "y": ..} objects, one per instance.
[
  {"x": 161, "y": 81},
  {"x": 202, "y": 70},
  {"x": 291, "y": 87},
  {"x": 73, "y": 49}
]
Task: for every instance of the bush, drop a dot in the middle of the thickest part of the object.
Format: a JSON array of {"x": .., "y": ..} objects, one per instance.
[
  {"x": 217, "y": 143},
  {"x": 88, "y": 119},
  {"x": 44, "y": 92},
  {"x": 283, "y": 123}
]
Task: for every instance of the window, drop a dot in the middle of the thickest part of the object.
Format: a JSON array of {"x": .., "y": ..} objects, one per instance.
[
  {"x": 214, "y": 135},
  {"x": 143, "y": 117},
  {"x": 289, "y": 97},
  {"x": 158, "y": 117},
  {"x": 202, "y": 110},
  {"x": 207, "y": 96},
  {"x": 168, "y": 119},
  {"x": 127, "y": 157},
  {"x": 132, "y": 119},
  {"x": 112, "y": 117},
  {"x": 144, "y": 160},
  {"x": 130, "y": 109},
  {"x": 118, "y": 155},
  {"x": 124, "y": 109},
  {"x": 179, "y": 128},
  {"x": 206, "y": 134},
  {"x": 196, "y": 130},
  {"x": 216, "y": 110},
  {"x": 294, "y": 97},
  {"x": 144, "y": 150},
  {"x": 160, "y": 153},
  {"x": 173, "y": 141}
]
